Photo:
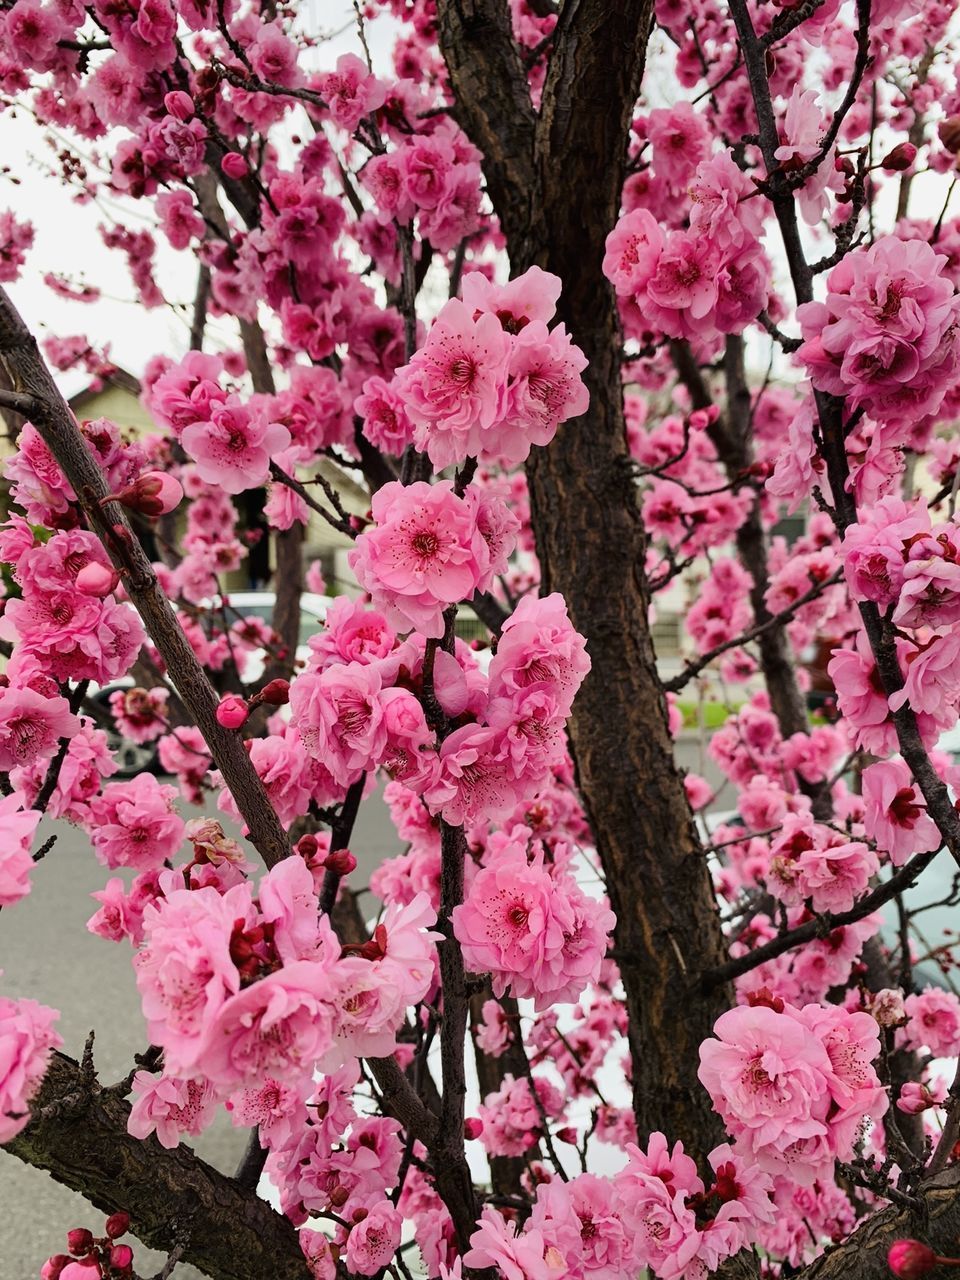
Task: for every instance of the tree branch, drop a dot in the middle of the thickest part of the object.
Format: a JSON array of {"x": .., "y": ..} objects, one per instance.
[
  {"x": 53, "y": 419},
  {"x": 80, "y": 1136}
]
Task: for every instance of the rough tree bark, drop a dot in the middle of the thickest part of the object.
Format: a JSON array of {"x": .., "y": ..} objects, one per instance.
[
  {"x": 555, "y": 180},
  {"x": 173, "y": 1197}
]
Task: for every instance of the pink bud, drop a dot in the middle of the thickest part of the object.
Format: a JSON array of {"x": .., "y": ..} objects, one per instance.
[
  {"x": 276, "y": 693},
  {"x": 232, "y": 711},
  {"x": 152, "y": 494},
  {"x": 356, "y": 523},
  {"x": 568, "y": 1135},
  {"x": 342, "y": 862},
  {"x": 121, "y": 1256},
  {"x": 699, "y": 419},
  {"x": 901, "y": 157},
  {"x": 909, "y": 1259},
  {"x": 53, "y": 1266},
  {"x": 96, "y": 579},
  {"x": 79, "y": 1241},
  {"x": 117, "y": 1225},
  {"x": 234, "y": 165},
  {"x": 179, "y": 104},
  {"x": 472, "y": 1128}
]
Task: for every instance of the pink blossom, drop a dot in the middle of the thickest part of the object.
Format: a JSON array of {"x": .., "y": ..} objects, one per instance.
[
  {"x": 339, "y": 716},
  {"x": 31, "y": 726},
  {"x": 351, "y": 92},
  {"x": 234, "y": 447},
  {"x": 539, "y": 648},
  {"x": 886, "y": 334},
  {"x": 425, "y": 553},
  {"x": 896, "y": 817},
  {"x": 134, "y": 824},
  {"x": 185, "y": 971},
  {"x": 385, "y": 420},
  {"x": 280, "y": 1026},
  {"x": 374, "y": 1240},
  {"x": 352, "y": 633},
  {"x": 933, "y": 1022},
  {"x": 16, "y": 862},
  {"x": 454, "y": 386},
  {"x": 170, "y": 1107},
  {"x": 26, "y": 1040}
]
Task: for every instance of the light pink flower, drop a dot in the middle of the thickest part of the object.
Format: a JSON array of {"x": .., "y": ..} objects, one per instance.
[
  {"x": 234, "y": 447},
  {"x": 425, "y": 553},
  {"x": 18, "y": 826},
  {"x": 170, "y": 1107},
  {"x": 26, "y": 1040},
  {"x": 374, "y": 1240},
  {"x": 134, "y": 824},
  {"x": 896, "y": 817},
  {"x": 339, "y": 716}
]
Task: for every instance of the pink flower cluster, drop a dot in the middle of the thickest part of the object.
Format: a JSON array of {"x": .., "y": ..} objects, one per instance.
[
  {"x": 433, "y": 174},
  {"x": 430, "y": 549},
  {"x": 15, "y": 239},
  {"x": 886, "y": 335},
  {"x": 535, "y": 933},
  {"x": 491, "y": 380},
  {"x": 794, "y": 1086},
  {"x": 59, "y": 628},
  {"x": 238, "y": 989},
  {"x": 698, "y": 283},
  {"x": 657, "y": 1213}
]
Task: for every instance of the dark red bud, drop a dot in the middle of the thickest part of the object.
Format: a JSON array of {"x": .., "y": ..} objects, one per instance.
[
  {"x": 121, "y": 1257},
  {"x": 276, "y": 693},
  {"x": 79, "y": 1241},
  {"x": 901, "y": 157},
  {"x": 118, "y": 1224},
  {"x": 339, "y": 1197},
  {"x": 342, "y": 862}
]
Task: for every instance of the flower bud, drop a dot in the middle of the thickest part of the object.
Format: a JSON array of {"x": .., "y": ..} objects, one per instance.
[
  {"x": 910, "y": 1259},
  {"x": 900, "y": 158},
  {"x": 472, "y": 1128},
  {"x": 307, "y": 845},
  {"x": 568, "y": 1134},
  {"x": 96, "y": 579},
  {"x": 152, "y": 494},
  {"x": 121, "y": 1257},
  {"x": 79, "y": 1241},
  {"x": 117, "y": 1224},
  {"x": 342, "y": 862},
  {"x": 276, "y": 693},
  {"x": 338, "y": 1197},
  {"x": 179, "y": 104},
  {"x": 234, "y": 165},
  {"x": 232, "y": 711}
]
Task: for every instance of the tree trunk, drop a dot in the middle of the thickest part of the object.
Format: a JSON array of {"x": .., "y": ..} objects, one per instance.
[{"x": 555, "y": 180}]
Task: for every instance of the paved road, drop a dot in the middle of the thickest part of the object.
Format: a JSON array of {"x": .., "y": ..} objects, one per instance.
[{"x": 46, "y": 953}]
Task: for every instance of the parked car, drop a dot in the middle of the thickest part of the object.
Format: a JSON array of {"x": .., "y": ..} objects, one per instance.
[{"x": 135, "y": 757}]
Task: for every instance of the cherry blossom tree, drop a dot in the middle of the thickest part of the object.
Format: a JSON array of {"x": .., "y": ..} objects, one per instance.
[{"x": 588, "y": 297}]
